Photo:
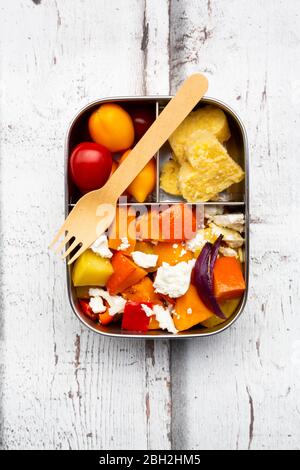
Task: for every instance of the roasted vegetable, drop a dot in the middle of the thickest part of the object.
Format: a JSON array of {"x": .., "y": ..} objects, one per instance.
[
  {"x": 203, "y": 281},
  {"x": 122, "y": 232},
  {"x": 135, "y": 318},
  {"x": 171, "y": 253},
  {"x": 87, "y": 311},
  {"x": 142, "y": 291},
  {"x": 190, "y": 310},
  {"x": 228, "y": 280},
  {"x": 90, "y": 269},
  {"x": 126, "y": 273}
]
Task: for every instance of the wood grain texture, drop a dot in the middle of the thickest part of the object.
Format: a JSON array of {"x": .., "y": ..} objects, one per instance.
[
  {"x": 64, "y": 387},
  {"x": 241, "y": 389}
]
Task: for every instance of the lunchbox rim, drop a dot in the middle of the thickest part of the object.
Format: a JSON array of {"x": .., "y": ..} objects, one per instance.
[{"x": 159, "y": 98}]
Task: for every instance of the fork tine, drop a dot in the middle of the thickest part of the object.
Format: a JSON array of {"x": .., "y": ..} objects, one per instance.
[
  {"x": 78, "y": 253},
  {"x": 57, "y": 236},
  {"x": 63, "y": 243},
  {"x": 71, "y": 248}
]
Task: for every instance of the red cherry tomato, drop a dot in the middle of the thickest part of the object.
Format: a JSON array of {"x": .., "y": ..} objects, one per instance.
[
  {"x": 142, "y": 119},
  {"x": 90, "y": 166}
]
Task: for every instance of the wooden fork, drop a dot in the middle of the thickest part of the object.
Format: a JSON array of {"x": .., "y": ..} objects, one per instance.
[{"x": 95, "y": 211}]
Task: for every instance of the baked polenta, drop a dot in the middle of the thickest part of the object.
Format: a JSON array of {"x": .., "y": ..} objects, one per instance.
[
  {"x": 209, "y": 118},
  {"x": 208, "y": 168},
  {"x": 169, "y": 178}
]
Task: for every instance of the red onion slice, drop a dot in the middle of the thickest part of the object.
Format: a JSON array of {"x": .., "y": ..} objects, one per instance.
[{"x": 203, "y": 277}]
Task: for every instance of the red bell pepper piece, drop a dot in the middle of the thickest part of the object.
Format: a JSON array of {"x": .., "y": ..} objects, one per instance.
[
  {"x": 134, "y": 317},
  {"x": 87, "y": 311}
]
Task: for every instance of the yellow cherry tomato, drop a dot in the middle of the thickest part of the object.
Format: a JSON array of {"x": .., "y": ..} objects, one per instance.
[
  {"x": 144, "y": 183},
  {"x": 111, "y": 126}
]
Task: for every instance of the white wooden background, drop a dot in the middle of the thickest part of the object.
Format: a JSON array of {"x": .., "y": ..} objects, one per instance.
[{"x": 61, "y": 385}]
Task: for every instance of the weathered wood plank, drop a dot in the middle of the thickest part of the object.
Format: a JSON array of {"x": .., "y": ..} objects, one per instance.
[
  {"x": 64, "y": 387},
  {"x": 241, "y": 389},
  {"x": 156, "y": 82}
]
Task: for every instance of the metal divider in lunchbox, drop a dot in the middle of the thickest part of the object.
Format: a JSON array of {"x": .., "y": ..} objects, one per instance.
[{"x": 160, "y": 199}]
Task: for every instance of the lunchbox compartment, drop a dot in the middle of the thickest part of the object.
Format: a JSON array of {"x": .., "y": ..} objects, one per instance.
[
  {"x": 79, "y": 133},
  {"x": 236, "y": 199},
  {"x": 235, "y": 146}
]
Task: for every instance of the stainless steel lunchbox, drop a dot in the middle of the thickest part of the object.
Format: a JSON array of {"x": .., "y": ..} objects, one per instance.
[{"x": 237, "y": 198}]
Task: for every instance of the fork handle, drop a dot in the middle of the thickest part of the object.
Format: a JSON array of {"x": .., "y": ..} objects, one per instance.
[{"x": 186, "y": 98}]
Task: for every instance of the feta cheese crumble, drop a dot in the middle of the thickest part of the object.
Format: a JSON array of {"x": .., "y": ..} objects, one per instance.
[
  {"x": 232, "y": 221},
  {"x": 231, "y": 237},
  {"x": 174, "y": 281},
  {"x": 196, "y": 243},
  {"x": 148, "y": 311},
  {"x": 162, "y": 315},
  {"x": 124, "y": 245},
  {"x": 97, "y": 305},
  {"x": 144, "y": 260},
  {"x": 210, "y": 211},
  {"x": 116, "y": 302},
  {"x": 100, "y": 246}
]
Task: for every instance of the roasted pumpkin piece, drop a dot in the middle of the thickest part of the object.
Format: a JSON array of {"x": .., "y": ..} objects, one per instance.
[
  {"x": 122, "y": 233},
  {"x": 147, "y": 226},
  {"x": 153, "y": 324},
  {"x": 190, "y": 310},
  {"x": 171, "y": 253},
  {"x": 175, "y": 224},
  {"x": 144, "y": 247},
  {"x": 126, "y": 274},
  {"x": 143, "y": 291},
  {"x": 228, "y": 280},
  {"x": 90, "y": 269}
]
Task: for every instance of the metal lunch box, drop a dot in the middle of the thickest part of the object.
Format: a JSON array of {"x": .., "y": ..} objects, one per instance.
[{"x": 235, "y": 198}]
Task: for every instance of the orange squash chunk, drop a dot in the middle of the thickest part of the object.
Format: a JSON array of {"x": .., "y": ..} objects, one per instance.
[
  {"x": 147, "y": 226},
  {"x": 177, "y": 223},
  {"x": 228, "y": 280},
  {"x": 126, "y": 273},
  {"x": 190, "y": 310},
  {"x": 168, "y": 253},
  {"x": 122, "y": 227},
  {"x": 153, "y": 324},
  {"x": 143, "y": 291}
]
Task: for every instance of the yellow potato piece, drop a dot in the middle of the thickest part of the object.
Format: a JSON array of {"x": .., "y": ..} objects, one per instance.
[
  {"x": 169, "y": 178},
  {"x": 91, "y": 269},
  {"x": 228, "y": 307},
  {"x": 210, "y": 118},
  {"x": 208, "y": 169}
]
